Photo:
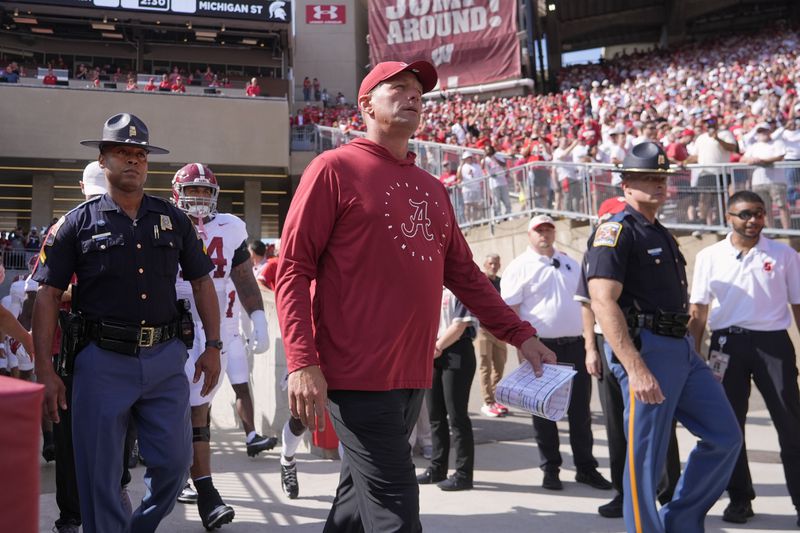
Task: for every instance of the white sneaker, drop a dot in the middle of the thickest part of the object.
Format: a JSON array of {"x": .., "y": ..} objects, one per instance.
[{"x": 491, "y": 411}]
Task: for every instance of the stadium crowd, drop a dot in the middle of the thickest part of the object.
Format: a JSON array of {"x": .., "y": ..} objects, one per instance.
[
  {"x": 729, "y": 88},
  {"x": 739, "y": 79},
  {"x": 176, "y": 79}
]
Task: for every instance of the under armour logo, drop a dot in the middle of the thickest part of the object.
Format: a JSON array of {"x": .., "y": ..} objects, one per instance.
[
  {"x": 419, "y": 221},
  {"x": 330, "y": 11}
]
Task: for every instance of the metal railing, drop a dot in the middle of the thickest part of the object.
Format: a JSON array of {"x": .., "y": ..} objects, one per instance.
[
  {"x": 696, "y": 195},
  {"x": 17, "y": 259}
]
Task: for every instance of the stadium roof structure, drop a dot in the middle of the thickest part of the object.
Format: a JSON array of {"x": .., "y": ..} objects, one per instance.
[{"x": 584, "y": 24}]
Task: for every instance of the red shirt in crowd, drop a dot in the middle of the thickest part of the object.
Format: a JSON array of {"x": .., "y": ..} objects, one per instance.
[
  {"x": 379, "y": 237},
  {"x": 150, "y": 86},
  {"x": 268, "y": 273},
  {"x": 253, "y": 90},
  {"x": 50, "y": 79},
  {"x": 178, "y": 87}
]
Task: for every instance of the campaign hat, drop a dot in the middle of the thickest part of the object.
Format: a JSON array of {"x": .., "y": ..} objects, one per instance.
[
  {"x": 126, "y": 129},
  {"x": 646, "y": 158}
]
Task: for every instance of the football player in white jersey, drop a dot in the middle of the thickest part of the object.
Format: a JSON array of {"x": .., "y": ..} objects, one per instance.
[
  {"x": 238, "y": 369},
  {"x": 195, "y": 191}
]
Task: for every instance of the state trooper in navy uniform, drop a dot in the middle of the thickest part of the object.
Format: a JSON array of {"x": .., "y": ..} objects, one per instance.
[
  {"x": 124, "y": 248},
  {"x": 637, "y": 286}
]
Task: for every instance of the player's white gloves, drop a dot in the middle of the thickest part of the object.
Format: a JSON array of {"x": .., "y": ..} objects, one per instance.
[{"x": 260, "y": 339}]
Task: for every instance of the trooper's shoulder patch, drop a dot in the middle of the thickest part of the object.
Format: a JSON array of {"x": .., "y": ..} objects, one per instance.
[
  {"x": 607, "y": 234},
  {"x": 51, "y": 233}
]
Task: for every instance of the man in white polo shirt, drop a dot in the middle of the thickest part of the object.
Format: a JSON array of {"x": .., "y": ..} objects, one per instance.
[
  {"x": 750, "y": 281},
  {"x": 539, "y": 285}
]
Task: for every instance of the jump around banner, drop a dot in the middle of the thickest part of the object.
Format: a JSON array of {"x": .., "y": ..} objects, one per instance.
[{"x": 469, "y": 41}]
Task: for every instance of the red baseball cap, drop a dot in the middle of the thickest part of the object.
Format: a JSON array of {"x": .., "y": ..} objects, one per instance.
[
  {"x": 424, "y": 71},
  {"x": 611, "y": 206}
]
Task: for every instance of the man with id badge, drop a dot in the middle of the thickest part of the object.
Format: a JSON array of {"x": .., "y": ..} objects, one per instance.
[{"x": 750, "y": 281}]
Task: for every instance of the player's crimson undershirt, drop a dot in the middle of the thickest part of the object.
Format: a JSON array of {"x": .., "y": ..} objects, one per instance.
[{"x": 379, "y": 236}]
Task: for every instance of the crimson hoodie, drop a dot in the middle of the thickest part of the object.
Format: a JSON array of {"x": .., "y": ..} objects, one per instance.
[{"x": 379, "y": 237}]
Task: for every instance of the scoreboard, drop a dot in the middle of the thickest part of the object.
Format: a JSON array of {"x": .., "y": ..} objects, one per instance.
[{"x": 258, "y": 10}]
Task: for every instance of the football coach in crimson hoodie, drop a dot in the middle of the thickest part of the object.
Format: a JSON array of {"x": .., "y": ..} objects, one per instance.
[{"x": 379, "y": 237}]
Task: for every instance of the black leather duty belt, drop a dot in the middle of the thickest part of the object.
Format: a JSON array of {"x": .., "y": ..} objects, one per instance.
[
  {"x": 660, "y": 323},
  {"x": 560, "y": 341},
  {"x": 126, "y": 338}
]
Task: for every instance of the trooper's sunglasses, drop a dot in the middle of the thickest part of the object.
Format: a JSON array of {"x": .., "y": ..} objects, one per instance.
[{"x": 747, "y": 214}]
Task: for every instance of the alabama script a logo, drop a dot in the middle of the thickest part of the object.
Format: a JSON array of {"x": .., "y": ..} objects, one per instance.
[
  {"x": 408, "y": 211},
  {"x": 419, "y": 221}
]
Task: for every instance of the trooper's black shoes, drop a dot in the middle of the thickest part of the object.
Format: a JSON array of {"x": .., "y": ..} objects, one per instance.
[
  {"x": 551, "y": 481},
  {"x": 430, "y": 476},
  {"x": 289, "y": 482},
  {"x": 738, "y": 512},
  {"x": 213, "y": 511},
  {"x": 612, "y": 509},
  {"x": 593, "y": 478},
  {"x": 454, "y": 483},
  {"x": 260, "y": 444}
]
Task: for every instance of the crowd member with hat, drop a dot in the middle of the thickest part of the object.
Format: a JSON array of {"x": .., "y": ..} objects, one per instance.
[
  {"x": 124, "y": 248},
  {"x": 637, "y": 286},
  {"x": 471, "y": 176},
  {"x": 712, "y": 147},
  {"x": 379, "y": 237},
  {"x": 752, "y": 285},
  {"x": 494, "y": 166},
  {"x": 539, "y": 285},
  {"x": 770, "y": 183}
]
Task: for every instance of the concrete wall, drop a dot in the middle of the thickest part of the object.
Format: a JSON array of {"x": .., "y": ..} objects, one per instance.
[
  {"x": 49, "y": 122},
  {"x": 333, "y": 53}
]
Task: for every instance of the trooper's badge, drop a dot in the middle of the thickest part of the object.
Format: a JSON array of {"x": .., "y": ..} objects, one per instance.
[
  {"x": 166, "y": 223},
  {"x": 607, "y": 234}
]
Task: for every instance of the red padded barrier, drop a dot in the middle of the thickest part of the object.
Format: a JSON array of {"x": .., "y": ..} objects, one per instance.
[
  {"x": 327, "y": 439},
  {"x": 20, "y": 425}
]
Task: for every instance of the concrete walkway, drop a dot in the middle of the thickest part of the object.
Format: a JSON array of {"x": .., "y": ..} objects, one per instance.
[{"x": 507, "y": 495}]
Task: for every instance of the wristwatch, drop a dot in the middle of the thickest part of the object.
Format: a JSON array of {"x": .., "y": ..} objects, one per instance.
[{"x": 216, "y": 343}]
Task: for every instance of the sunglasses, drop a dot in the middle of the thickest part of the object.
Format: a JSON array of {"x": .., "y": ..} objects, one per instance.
[{"x": 747, "y": 214}]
